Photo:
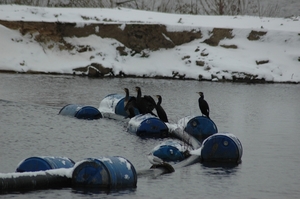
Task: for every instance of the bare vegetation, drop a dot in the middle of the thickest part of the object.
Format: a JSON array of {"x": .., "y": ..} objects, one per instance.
[{"x": 197, "y": 7}]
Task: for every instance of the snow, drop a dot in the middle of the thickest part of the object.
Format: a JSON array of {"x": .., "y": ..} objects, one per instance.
[
  {"x": 55, "y": 172},
  {"x": 280, "y": 46}
]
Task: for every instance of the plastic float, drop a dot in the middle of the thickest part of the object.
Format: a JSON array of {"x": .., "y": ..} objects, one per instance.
[
  {"x": 222, "y": 148},
  {"x": 101, "y": 173},
  {"x": 199, "y": 127},
  {"x": 80, "y": 112},
  {"x": 38, "y": 173},
  {"x": 43, "y": 163},
  {"x": 218, "y": 148},
  {"x": 200, "y": 142},
  {"x": 148, "y": 126},
  {"x": 161, "y": 154},
  {"x": 105, "y": 172},
  {"x": 114, "y": 104},
  {"x": 170, "y": 151}
]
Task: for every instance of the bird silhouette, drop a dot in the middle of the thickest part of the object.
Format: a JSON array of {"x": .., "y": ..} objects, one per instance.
[
  {"x": 160, "y": 111},
  {"x": 203, "y": 105},
  {"x": 129, "y": 104},
  {"x": 144, "y": 104}
]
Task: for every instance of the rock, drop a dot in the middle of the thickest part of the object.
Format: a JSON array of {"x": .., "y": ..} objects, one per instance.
[
  {"x": 255, "y": 35},
  {"x": 217, "y": 35},
  {"x": 262, "y": 62},
  {"x": 200, "y": 63},
  {"x": 229, "y": 46}
]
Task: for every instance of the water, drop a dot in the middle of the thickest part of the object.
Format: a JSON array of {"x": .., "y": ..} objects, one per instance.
[{"x": 265, "y": 117}]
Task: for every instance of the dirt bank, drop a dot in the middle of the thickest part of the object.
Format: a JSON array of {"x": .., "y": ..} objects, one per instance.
[{"x": 136, "y": 37}]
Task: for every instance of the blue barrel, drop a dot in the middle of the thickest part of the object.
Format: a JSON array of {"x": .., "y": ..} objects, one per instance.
[
  {"x": 148, "y": 126},
  {"x": 222, "y": 147},
  {"x": 81, "y": 112},
  {"x": 200, "y": 127},
  {"x": 44, "y": 163},
  {"x": 105, "y": 172},
  {"x": 171, "y": 151},
  {"x": 114, "y": 103}
]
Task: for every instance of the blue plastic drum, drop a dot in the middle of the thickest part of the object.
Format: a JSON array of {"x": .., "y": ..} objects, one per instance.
[
  {"x": 200, "y": 127},
  {"x": 44, "y": 163},
  {"x": 81, "y": 112},
  {"x": 171, "y": 151},
  {"x": 114, "y": 103},
  {"x": 222, "y": 147},
  {"x": 147, "y": 126},
  {"x": 105, "y": 172}
]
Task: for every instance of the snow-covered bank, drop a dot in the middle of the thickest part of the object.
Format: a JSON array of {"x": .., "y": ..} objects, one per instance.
[{"x": 230, "y": 48}]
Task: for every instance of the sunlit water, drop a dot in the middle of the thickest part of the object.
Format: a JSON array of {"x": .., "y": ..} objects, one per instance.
[{"x": 265, "y": 117}]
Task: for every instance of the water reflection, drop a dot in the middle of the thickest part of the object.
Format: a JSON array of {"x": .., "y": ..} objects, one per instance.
[
  {"x": 220, "y": 169},
  {"x": 97, "y": 191}
]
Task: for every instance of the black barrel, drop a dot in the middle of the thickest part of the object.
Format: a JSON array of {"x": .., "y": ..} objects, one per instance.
[{"x": 26, "y": 181}]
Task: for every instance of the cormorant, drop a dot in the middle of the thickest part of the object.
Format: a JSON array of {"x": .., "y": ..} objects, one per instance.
[
  {"x": 129, "y": 104},
  {"x": 160, "y": 111},
  {"x": 203, "y": 105},
  {"x": 144, "y": 104}
]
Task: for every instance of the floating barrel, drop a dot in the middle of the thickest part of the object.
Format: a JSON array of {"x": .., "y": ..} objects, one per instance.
[
  {"x": 105, "y": 172},
  {"x": 171, "y": 151},
  {"x": 44, "y": 163},
  {"x": 222, "y": 147},
  {"x": 147, "y": 126},
  {"x": 200, "y": 127},
  {"x": 81, "y": 112},
  {"x": 114, "y": 103}
]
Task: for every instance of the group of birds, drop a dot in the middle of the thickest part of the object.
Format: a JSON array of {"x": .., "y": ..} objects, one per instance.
[{"x": 146, "y": 104}]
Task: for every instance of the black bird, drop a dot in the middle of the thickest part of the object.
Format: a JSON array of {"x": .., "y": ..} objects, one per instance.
[
  {"x": 160, "y": 111},
  {"x": 129, "y": 104},
  {"x": 203, "y": 105},
  {"x": 144, "y": 104}
]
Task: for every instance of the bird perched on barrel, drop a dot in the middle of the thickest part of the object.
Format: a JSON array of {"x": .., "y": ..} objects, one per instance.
[
  {"x": 129, "y": 104},
  {"x": 203, "y": 105},
  {"x": 144, "y": 104},
  {"x": 160, "y": 111}
]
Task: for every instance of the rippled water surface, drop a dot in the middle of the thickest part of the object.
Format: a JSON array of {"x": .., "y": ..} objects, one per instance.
[{"x": 265, "y": 117}]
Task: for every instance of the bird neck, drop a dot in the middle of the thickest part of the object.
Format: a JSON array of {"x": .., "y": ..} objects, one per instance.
[
  {"x": 139, "y": 94},
  {"x": 126, "y": 96},
  {"x": 159, "y": 102}
]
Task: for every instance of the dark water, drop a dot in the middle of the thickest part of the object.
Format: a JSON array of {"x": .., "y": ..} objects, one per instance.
[{"x": 265, "y": 117}]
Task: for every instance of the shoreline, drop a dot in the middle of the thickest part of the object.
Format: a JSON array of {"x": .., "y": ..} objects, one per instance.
[{"x": 239, "y": 80}]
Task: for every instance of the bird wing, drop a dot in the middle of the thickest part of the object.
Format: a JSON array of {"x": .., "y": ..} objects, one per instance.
[{"x": 150, "y": 101}]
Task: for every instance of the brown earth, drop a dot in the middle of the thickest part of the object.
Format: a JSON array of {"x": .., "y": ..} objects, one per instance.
[{"x": 135, "y": 37}]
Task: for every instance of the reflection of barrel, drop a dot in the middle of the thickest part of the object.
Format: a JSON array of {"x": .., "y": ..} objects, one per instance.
[
  {"x": 222, "y": 147},
  {"x": 200, "y": 127},
  {"x": 105, "y": 172},
  {"x": 44, "y": 163},
  {"x": 147, "y": 126},
  {"x": 81, "y": 112},
  {"x": 114, "y": 103}
]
